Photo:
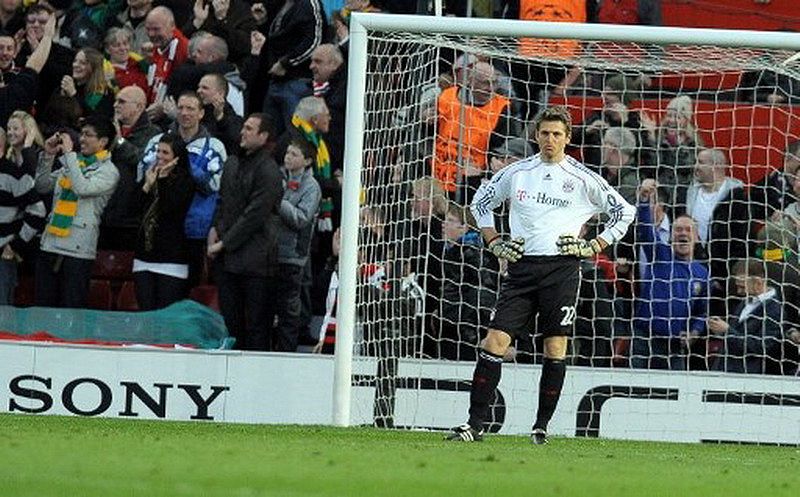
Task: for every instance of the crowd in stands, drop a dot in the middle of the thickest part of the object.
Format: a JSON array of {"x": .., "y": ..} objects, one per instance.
[{"x": 205, "y": 140}]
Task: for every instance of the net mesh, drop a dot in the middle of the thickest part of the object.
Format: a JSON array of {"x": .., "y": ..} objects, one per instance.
[{"x": 427, "y": 285}]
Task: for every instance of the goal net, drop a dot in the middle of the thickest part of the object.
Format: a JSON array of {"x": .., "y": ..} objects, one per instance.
[{"x": 710, "y": 122}]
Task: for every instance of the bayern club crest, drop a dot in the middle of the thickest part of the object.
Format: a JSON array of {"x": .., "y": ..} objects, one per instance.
[{"x": 568, "y": 186}]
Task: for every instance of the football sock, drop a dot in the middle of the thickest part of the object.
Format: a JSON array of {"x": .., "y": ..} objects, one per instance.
[
  {"x": 553, "y": 371},
  {"x": 484, "y": 382}
]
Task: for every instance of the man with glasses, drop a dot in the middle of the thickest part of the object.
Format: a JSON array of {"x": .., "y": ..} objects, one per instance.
[
  {"x": 133, "y": 129},
  {"x": 81, "y": 188}
]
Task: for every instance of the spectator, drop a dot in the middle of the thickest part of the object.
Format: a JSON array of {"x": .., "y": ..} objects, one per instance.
[
  {"x": 329, "y": 81},
  {"x": 298, "y": 210},
  {"x": 88, "y": 85},
  {"x": 781, "y": 237},
  {"x": 487, "y": 116},
  {"x": 219, "y": 117},
  {"x": 769, "y": 86},
  {"x": 617, "y": 162},
  {"x": 244, "y": 239},
  {"x": 206, "y": 158},
  {"x": 58, "y": 59},
  {"x": 22, "y": 211},
  {"x": 775, "y": 193},
  {"x": 677, "y": 143},
  {"x": 619, "y": 92},
  {"x": 127, "y": 66},
  {"x": 293, "y": 32},
  {"x": 160, "y": 266},
  {"x": 550, "y": 72},
  {"x": 208, "y": 54},
  {"x": 327, "y": 330},
  {"x": 169, "y": 48},
  {"x": 752, "y": 336},
  {"x": 595, "y": 312},
  {"x": 231, "y": 20},
  {"x": 85, "y": 22},
  {"x": 718, "y": 204},
  {"x": 133, "y": 18},
  {"x": 673, "y": 295},
  {"x": 122, "y": 216},
  {"x": 311, "y": 121},
  {"x": 81, "y": 188},
  {"x": 468, "y": 289},
  {"x": 11, "y": 18},
  {"x": 424, "y": 242},
  {"x": 24, "y": 141}
]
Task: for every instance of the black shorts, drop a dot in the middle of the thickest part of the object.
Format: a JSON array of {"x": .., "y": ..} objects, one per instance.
[{"x": 543, "y": 285}]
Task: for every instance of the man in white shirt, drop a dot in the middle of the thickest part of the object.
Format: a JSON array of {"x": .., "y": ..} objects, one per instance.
[
  {"x": 719, "y": 205},
  {"x": 551, "y": 196}
]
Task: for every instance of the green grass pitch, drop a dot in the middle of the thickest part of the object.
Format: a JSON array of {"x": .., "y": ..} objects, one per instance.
[{"x": 45, "y": 456}]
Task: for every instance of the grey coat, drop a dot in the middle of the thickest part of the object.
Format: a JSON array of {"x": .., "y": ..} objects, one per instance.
[
  {"x": 298, "y": 212},
  {"x": 94, "y": 187}
]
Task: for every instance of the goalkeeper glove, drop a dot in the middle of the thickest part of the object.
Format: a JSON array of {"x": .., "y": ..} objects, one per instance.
[
  {"x": 510, "y": 250},
  {"x": 578, "y": 247}
]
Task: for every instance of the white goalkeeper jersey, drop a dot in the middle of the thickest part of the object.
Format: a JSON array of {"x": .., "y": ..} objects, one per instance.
[{"x": 551, "y": 199}]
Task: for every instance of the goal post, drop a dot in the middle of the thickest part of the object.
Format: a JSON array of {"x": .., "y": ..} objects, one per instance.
[{"x": 386, "y": 293}]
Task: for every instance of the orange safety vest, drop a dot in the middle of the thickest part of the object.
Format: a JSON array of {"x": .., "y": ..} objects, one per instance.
[
  {"x": 551, "y": 11},
  {"x": 479, "y": 122}
]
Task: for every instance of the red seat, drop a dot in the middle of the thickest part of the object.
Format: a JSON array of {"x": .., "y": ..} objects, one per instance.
[
  {"x": 126, "y": 299},
  {"x": 24, "y": 293},
  {"x": 113, "y": 265},
  {"x": 100, "y": 296},
  {"x": 206, "y": 295}
]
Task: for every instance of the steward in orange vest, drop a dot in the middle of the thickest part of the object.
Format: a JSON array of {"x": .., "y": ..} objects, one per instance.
[
  {"x": 486, "y": 124},
  {"x": 551, "y": 11}
]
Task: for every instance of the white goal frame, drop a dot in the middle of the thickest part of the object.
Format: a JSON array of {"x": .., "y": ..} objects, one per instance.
[{"x": 361, "y": 23}]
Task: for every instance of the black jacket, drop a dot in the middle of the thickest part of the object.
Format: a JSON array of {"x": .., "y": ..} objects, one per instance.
[
  {"x": 754, "y": 345},
  {"x": 729, "y": 231},
  {"x": 292, "y": 37},
  {"x": 247, "y": 216},
  {"x": 58, "y": 65},
  {"x": 175, "y": 193},
  {"x": 226, "y": 129},
  {"x": 187, "y": 76},
  {"x": 772, "y": 193},
  {"x": 235, "y": 28},
  {"x": 336, "y": 100},
  {"x": 123, "y": 209},
  {"x": 19, "y": 92}
]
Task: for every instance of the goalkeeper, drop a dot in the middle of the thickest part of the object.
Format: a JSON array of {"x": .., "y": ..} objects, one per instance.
[{"x": 551, "y": 196}]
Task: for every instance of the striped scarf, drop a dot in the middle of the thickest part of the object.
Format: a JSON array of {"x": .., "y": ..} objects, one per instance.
[
  {"x": 323, "y": 169},
  {"x": 67, "y": 202}
]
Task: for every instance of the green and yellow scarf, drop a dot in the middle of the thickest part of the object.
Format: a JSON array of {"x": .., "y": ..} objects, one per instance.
[
  {"x": 67, "y": 202},
  {"x": 323, "y": 163}
]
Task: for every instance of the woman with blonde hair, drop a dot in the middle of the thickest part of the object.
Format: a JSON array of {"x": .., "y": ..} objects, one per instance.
[
  {"x": 23, "y": 212},
  {"x": 88, "y": 84},
  {"x": 24, "y": 140},
  {"x": 678, "y": 142}
]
